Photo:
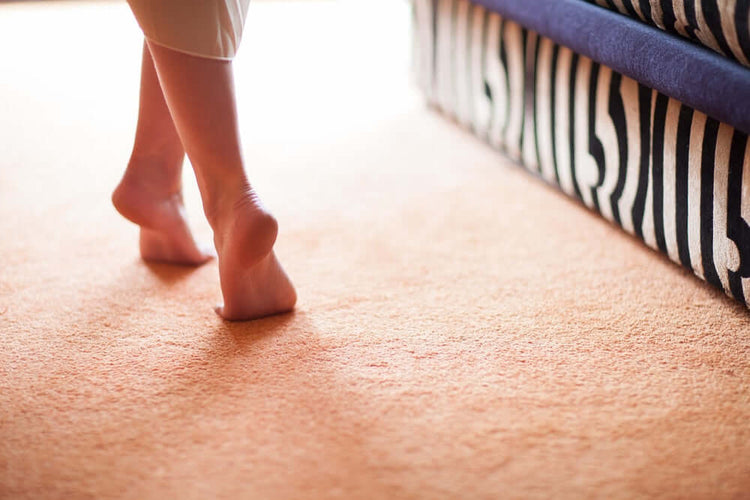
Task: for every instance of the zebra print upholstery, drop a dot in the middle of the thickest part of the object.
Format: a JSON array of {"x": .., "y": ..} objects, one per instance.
[
  {"x": 721, "y": 25},
  {"x": 688, "y": 72},
  {"x": 673, "y": 176}
]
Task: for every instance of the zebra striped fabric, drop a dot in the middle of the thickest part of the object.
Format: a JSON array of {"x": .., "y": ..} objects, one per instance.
[
  {"x": 671, "y": 175},
  {"x": 721, "y": 25}
]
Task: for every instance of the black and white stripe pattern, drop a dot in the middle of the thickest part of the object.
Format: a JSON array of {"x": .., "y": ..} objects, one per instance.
[
  {"x": 722, "y": 25},
  {"x": 671, "y": 175}
]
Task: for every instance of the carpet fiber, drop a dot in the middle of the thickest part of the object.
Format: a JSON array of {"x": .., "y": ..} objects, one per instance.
[{"x": 463, "y": 331}]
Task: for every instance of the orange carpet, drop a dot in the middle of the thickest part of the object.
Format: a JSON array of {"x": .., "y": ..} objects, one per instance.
[{"x": 463, "y": 331}]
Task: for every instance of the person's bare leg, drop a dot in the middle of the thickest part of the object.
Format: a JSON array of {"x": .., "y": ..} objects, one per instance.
[
  {"x": 200, "y": 95},
  {"x": 150, "y": 192}
]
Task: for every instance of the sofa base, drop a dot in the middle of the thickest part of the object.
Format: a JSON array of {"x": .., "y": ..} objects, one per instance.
[{"x": 662, "y": 171}]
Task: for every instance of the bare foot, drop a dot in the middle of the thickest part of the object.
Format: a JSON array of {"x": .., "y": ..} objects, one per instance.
[
  {"x": 253, "y": 282},
  {"x": 160, "y": 211}
]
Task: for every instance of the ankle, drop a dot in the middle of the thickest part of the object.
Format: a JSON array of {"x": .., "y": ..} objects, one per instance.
[
  {"x": 156, "y": 174},
  {"x": 243, "y": 213},
  {"x": 221, "y": 203}
]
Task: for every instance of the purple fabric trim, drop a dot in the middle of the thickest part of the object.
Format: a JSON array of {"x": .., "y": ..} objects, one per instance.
[{"x": 685, "y": 71}]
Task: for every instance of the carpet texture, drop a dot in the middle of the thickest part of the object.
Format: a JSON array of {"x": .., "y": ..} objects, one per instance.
[{"x": 463, "y": 331}]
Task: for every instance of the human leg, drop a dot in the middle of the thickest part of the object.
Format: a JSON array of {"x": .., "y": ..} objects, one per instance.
[
  {"x": 150, "y": 192},
  {"x": 200, "y": 96}
]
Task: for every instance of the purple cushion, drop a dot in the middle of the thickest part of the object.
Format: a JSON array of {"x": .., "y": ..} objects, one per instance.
[{"x": 687, "y": 72}]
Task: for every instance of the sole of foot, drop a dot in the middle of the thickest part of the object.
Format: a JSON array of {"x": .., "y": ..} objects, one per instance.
[
  {"x": 256, "y": 292},
  {"x": 253, "y": 283},
  {"x": 165, "y": 234}
]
